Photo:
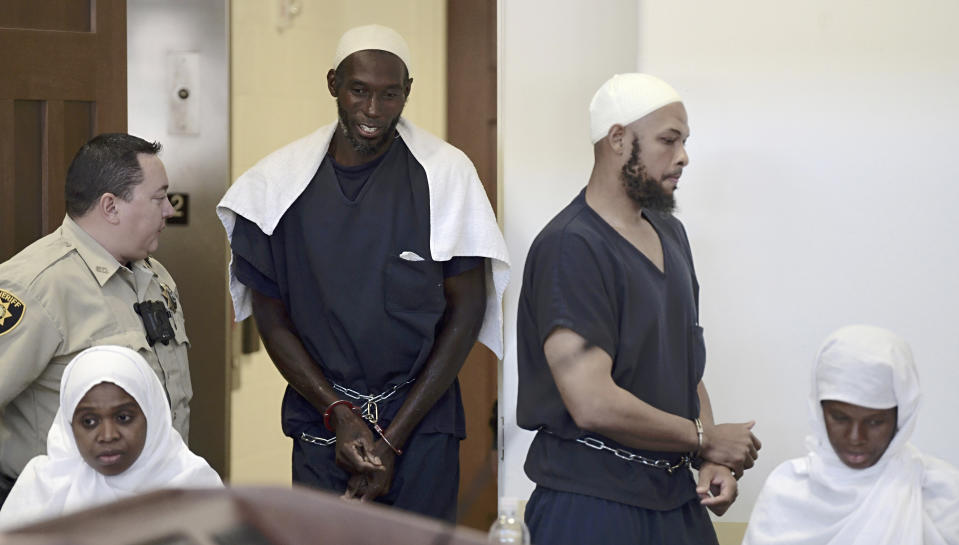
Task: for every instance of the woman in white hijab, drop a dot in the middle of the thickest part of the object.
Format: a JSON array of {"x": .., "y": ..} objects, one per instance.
[
  {"x": 112, "y": 437},
  {"x": 862, "y": 481}
]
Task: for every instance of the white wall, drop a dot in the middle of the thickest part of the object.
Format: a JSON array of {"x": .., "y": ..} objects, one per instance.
[
  {"x": 820, "y": 193},
  {"x": 820, "y": 189},
  {"x": 552, "y": 57}
]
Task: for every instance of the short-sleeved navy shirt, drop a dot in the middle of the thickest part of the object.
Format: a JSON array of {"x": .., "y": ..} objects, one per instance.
[
  {"x": 581, "y": 274},
  {"x": 351, "y": 263}
]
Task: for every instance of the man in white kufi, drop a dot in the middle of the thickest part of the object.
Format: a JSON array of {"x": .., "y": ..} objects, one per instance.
[
  {"x": 610, "y": 350},
  {"x": 371, "y": 259}
]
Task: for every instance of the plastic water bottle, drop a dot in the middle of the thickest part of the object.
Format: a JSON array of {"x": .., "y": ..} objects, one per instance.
[{"x": 508, "y": 528}]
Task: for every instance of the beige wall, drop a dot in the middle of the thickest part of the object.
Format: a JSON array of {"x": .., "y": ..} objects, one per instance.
[
  {"x": 278, "y": 94},
  {"x": 730, "y": 533}
]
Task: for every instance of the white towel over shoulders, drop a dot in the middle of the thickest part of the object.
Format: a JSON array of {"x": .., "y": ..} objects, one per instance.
[{"x": 462, "y": 222}]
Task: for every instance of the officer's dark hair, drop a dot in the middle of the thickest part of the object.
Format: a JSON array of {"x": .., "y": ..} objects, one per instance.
[{"x": 106, "y": 164}]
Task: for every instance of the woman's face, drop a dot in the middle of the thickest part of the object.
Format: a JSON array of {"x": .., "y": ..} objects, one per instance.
[
  {"x": 859, "y": 435},
  {"x": 110, "y": 429}
]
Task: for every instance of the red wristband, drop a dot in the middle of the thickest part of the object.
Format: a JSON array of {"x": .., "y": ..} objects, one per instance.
[
  {"x": 380, "y": 431},
  {"x": 329, "y": 411}
]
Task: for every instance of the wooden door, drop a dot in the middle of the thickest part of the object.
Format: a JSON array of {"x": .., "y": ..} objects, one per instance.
[
  {"x": 471, "y": 126},
  {"x": 62, "y": 80}
]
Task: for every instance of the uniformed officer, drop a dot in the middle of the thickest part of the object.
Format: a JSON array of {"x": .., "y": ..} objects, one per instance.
[{"x": 90, "y": 282}]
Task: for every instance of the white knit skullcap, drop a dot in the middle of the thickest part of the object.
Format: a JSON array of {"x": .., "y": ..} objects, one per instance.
[
  {"x": 378, "y": 37},
  {"x": 624, "y": 98}
]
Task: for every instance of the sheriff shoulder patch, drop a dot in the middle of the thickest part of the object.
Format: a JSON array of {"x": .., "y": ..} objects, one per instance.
[{"x": 11, "y": 311}]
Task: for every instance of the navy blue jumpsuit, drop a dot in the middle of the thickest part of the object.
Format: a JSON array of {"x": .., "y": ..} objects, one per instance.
[
  {"x": 582, "y": 275},
  {"x": 365, "y": 315}
]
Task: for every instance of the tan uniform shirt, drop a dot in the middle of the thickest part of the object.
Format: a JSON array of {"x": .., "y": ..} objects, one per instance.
[{"x": 58, "y": 296}]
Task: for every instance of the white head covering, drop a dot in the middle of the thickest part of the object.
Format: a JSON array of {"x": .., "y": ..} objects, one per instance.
[
  {"x": 870, "y": 367},
  {"x": 61, "y": 481},
  {"x": 624, "y": 98},
  {"x": 378, "y": 37},
  {"x": 905, "y": 498}
]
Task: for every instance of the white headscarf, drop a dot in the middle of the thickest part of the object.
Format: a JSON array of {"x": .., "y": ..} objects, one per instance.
[
  {"x": 905, "y": 498},
  {"x": 61, "y": 481}
]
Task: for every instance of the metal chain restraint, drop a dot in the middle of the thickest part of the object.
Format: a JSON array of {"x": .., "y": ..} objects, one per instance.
[
  {"x": 369, "y": 410},
  {"x": 666, "y": 465},
  {"x": 323, "y": 442}
]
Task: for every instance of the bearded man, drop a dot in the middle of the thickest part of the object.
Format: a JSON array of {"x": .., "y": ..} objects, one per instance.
[
  {"x": 611, "y": 353},
  {"x": 372, "y": 262}
]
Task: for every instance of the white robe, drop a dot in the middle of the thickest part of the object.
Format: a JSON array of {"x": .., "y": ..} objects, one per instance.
[
  {"x": 906, "y": 498},
  {"x": 61, "y": 482},
  {"x": 461, "y": 219}
]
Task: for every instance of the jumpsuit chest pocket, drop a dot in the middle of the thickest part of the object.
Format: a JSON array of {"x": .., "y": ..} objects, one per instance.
[{"x": 413, "y": 286}]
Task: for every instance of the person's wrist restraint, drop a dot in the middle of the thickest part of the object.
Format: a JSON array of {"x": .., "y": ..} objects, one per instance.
[
  {"x": 699, "y": 437},
  {"x": 695, "y": 457},
  {"x": 329, "y": 412}
]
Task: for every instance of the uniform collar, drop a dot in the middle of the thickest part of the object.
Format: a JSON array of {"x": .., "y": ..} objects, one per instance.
[{"x": 101, "y": 263}]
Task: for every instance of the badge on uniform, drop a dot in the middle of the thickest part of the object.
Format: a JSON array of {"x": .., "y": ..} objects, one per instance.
[
  {"x": 169, "y": 296},
  {"x": 11, "y": 311}
]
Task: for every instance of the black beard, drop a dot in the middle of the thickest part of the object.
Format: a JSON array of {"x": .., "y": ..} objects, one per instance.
[
  {"x": 360, "y": 145},
  {"x": 642, "y": 189}
]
